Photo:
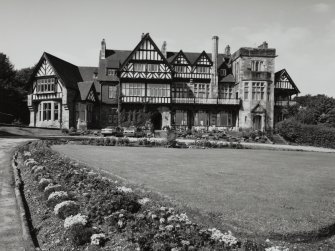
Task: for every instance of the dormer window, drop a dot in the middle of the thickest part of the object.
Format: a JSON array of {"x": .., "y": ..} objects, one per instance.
[
  {"x": 111, "y": 72},
  {"x": 223, "y": 72}
]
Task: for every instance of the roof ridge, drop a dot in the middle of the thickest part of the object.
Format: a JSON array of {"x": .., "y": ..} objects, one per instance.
[{"x": 48, "y": 54}]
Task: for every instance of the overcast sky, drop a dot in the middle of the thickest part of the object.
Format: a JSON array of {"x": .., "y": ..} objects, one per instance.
[{"x": 302, "y": 31}]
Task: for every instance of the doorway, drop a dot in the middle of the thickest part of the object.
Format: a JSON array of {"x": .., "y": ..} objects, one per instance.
[
  {"x": 257, "y": 122},
  {"x": 156, "y": 120}
]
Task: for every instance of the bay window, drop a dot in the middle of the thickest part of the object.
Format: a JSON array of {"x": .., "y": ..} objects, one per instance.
[
  {"x": 49, "y": 111},
  {"x": 257, "y": 91},
  {"x": 158, "y": 90},
  {"x": 201, "y": 90},
  {"x": 46, "y": 111},
  {"x": 133, "y": 89},
  {"x": 226, "y": 91}
]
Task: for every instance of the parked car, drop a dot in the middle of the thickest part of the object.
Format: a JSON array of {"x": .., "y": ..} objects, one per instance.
[
  {"x": 129, "y": 131},
  {"x": 112, "y": 131},
  {"x": 132, "y": 131}
]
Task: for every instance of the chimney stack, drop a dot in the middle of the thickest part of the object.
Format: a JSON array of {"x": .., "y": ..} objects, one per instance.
[
  {"x": 142, "y": 36},
  {"x": 163, "y": 50},
  {"x": 227, "y": 50},
  {"x": 215, "y": 51},
  {"x": 214, "y": 80},
  {"x": 264, "y": 45},
  {"x": 103, "y": 49}
]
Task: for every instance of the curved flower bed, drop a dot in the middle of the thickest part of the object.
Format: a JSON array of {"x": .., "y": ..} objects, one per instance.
[{"x": 110, "y": 214}]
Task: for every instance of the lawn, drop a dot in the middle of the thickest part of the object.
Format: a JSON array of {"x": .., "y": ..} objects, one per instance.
[{"x": 253, "y": 191}]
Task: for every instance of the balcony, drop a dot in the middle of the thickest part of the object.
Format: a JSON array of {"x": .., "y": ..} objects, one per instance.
[
  {"x": 143, "y": 99},
  {"x": 285, "y": 103},
  {"x": 208, "y": 101},
  {"x": 257, "y": 75},
  {"x": 46, "y": 96}
]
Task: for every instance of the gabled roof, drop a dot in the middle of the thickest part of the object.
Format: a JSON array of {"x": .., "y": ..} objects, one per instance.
[
  {"x": 192, "y": 56},
  {"x": 278, "y": 74},
  {"x": 144, "y": 38},
  {"x": 87, "y": 72},
  {"x": 177, "y": 55},
  {"x": 115, "y": 58},
  {"x": 73, "y": 77},
  {"x": 67, "y": 72},
  {"x": 84, "y": 89},
  {"x": 258, "y": 109},
  {"x": 203, "y": 53},
  {"x": 228, "y": 79},
  {"x": 97, "y": 85}
]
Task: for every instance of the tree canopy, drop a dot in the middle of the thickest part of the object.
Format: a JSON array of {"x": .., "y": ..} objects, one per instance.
[
  {"x": 313, "y": 110},
  {"x": 13, "y": 91}
]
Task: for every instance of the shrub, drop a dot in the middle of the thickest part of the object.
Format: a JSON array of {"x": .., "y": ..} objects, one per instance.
[
  {"x": 112, "y": 142},
  {"x": 66, "y": 209},
  {"x": 26, "y": 154},
  {"x": 37, "y": 169},
  {"x": 57, "y": 197},
  {"x": 65, "y": 131},
  {"x": 108, "y": 200},
  {"x": 49, "y": 189},
  {"x": 98, "y": 239},
  {"x": 314, "y": 135},
  {"x": 30, "y": 162},
  {"x": 77, "y": 230},
  {"x": 106, "y": 141},
  {"x": 43, "y": 183}
]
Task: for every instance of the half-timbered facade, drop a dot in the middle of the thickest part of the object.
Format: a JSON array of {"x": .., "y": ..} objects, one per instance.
[
  {"x": 284, "y": 91},
  {"x": 178, "y": 89},
  {"x": 58, "y": 97}
]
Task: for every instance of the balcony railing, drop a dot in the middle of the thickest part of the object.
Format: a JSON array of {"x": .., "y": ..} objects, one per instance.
[
  {"x": 167, "y": 100},
  {"x": 48, "y": 95},
  {"x": 151, "y": 100},
  {"x": 214, "y": 101},
  {"x": 285, "y": 103},
  {"x": 257, "y": 75}
]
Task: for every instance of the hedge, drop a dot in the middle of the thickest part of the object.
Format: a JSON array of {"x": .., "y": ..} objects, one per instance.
[{"x": 313, "y": 135}]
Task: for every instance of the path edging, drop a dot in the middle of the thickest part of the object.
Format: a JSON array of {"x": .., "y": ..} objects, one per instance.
[{"x": 22, "y": 211}]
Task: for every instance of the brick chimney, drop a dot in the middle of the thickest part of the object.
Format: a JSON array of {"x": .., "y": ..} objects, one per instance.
[
  {"x": 214, "y": 80},
  {"x": 163, "y": 50},
  {"x": 103, "y": 49},
  {"x": 227, "y": 50}
]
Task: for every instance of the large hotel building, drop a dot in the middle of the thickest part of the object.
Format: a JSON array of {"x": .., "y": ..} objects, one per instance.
[{"x": 233, "y": 91}]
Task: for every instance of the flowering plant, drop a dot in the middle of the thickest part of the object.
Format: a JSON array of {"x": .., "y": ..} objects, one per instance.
[
  {"x": 75, "y": 220},
  {"x": 66, "y": 208},
  {"x": 98, "y": 239},
  {"x": 57, "y": 197}
]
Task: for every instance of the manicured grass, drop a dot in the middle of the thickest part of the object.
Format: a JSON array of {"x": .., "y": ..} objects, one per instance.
[
  {"x": 28, "y": 131},
  {"x": 259, "y": 192}
]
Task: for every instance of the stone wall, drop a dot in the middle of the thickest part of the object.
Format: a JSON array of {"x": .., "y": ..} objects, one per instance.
[{"x": 243, "y": 65}]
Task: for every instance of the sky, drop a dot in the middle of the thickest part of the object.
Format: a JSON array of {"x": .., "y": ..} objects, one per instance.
[{"x": 301, "y": 31}]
